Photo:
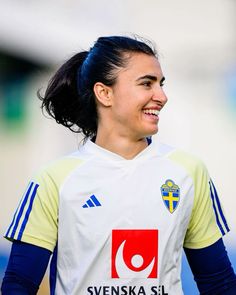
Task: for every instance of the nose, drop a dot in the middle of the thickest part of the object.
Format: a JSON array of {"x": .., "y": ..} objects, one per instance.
[{"x": 159, "y": 96}]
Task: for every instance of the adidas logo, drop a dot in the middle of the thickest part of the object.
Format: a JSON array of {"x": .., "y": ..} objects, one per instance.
[{"x": 92, "y": 202}]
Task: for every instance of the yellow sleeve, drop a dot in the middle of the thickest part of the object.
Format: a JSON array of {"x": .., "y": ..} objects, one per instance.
[
  {"x": 207, "y": 223},
  {"x": 36, "y": 218}
]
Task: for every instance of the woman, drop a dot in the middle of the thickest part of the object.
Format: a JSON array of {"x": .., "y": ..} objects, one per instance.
[{"x": 117, "y": 213}]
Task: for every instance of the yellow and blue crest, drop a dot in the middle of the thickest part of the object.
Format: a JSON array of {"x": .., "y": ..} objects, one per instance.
[{"x": 170, "y": 194}]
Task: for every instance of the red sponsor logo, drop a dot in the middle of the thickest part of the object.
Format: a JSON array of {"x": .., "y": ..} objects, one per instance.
[{"x": 134, "y": 253}]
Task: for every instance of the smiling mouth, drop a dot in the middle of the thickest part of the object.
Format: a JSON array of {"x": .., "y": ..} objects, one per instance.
[{"x": 151, "y": 112}]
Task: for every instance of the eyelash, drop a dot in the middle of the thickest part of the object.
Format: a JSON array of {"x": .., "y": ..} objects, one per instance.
[{"x": 148, "y": 84}]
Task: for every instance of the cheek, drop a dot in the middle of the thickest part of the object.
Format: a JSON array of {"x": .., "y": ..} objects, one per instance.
[
  {"x": 124, "y": 112},
  {"x": 123, "y": 101},
  {"x": 129, "y": 102}
]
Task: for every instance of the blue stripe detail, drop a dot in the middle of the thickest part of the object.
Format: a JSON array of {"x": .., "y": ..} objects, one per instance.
[
  {"x": 21, "y": 211},
  {"x": 13, "y": 220},
  {"x": 14, "y": 217},
  {"x": 216, "y": 213},
  {"x": 95, "y": 200},
  {"x": 27, "y": 212},
  {"x": 90, "y": 203},
  {"x": 220, "y": 208}
]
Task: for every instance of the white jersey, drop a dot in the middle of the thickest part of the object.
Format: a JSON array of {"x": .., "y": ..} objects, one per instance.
[{"x": 119, "y": 225}]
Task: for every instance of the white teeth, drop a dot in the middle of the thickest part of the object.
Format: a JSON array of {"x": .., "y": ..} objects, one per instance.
[{"x": 151, "y": 112}]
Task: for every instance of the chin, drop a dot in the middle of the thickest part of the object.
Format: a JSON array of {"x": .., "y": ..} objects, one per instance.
[
  {"x": 147, "y": 131},
  {"x": 150, "y": 133}
]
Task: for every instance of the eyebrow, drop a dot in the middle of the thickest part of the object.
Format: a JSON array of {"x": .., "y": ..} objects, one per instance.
[{"x": 151, "y": 77}]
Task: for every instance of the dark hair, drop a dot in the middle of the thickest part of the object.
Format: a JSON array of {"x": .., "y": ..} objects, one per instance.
[{"x": 69, "y": 97}]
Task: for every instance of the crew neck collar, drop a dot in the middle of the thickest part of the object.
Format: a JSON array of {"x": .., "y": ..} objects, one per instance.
[{"x": 92, "y": 147}]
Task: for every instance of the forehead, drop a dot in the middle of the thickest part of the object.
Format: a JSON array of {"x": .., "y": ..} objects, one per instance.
[{"x": 141, "y": 64}]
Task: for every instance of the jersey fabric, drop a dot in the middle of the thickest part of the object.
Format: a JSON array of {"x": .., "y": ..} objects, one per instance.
[{"x": 118, "y": 226}]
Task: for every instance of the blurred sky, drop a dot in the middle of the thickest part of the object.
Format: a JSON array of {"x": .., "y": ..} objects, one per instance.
[{"x": 196, "y": 41}]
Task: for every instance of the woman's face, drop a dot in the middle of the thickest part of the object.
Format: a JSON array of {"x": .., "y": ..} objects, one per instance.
[{"x": 138, "y": 97}]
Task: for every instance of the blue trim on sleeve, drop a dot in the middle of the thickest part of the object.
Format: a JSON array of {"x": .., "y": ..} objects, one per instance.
[
  {"x": 30, "y": 193},
  {"x": 219, "y": 207},
  {"x": 216, "y": 205},
  {"x": 27, "y": 212},
  {"x": 19, "y": 213}
]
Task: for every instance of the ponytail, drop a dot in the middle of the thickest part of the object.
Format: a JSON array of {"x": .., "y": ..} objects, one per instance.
[{"x": 64, "y": 102}]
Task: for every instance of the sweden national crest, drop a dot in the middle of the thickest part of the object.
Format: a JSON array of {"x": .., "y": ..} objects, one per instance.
[{"x": 170, "y": 195}]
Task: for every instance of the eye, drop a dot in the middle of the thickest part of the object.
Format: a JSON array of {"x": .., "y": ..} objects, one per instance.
[{"x": 147, "y": 84}]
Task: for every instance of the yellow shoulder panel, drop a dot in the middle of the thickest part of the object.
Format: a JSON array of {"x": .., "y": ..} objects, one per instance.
[{"x": 202, "y": 230}]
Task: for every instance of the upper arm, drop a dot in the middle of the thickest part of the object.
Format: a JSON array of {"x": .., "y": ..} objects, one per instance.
[
  {"x": 212, "y": 269},
  {"x": 25, "y": 270}
]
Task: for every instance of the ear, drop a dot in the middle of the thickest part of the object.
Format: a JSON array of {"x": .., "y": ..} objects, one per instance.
[{"x": 103, "y": 93}]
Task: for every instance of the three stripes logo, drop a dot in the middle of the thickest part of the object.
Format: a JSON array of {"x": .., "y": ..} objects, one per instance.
[
  {"x": 22, "y": 213},
  {"x": 219, "y": 214},
  {"x": 92, "y": 202}
]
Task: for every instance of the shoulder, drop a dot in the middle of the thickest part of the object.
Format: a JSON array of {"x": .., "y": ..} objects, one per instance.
[
  {"x": 56, "y": 171},
  {"x": 191, "y": 163}
]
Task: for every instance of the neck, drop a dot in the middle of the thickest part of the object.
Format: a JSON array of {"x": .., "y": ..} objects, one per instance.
[{"x": 120, "y": 145}]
